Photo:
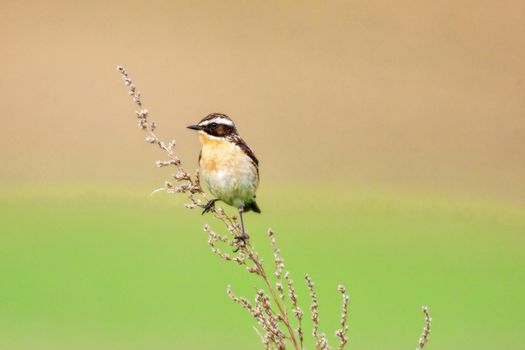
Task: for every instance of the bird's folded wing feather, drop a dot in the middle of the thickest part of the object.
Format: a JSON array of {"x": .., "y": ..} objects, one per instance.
[{"x": 247, "y": 150}]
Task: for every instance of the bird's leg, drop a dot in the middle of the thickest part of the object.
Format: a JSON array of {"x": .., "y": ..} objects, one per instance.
[
  {"x": 209, "y": 206},
  {"x": 244, "y": 236}
]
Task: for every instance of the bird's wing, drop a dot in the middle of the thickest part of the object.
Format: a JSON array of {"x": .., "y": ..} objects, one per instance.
[{"x": 247, "y": 150}]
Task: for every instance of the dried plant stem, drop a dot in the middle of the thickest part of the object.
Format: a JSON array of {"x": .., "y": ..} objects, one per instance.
[
  {"x": 314, "y": 307},
  {"x": 275, "y": 298},
  {"x": 298, "y": 313},
  {"x": 321, "y": 341},
  {"x": 426, "y": 329}
]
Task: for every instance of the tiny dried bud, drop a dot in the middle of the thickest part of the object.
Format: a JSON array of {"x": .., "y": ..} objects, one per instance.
[
  {"x": 181, "y": 175},
  {"x": 252, "y": 269},
  {"x": 142, "y": 114},
  {"x": 239, "y": 260}
]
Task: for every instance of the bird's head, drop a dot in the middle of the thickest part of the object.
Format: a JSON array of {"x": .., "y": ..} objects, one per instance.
[{"x": 216, "y": 125}]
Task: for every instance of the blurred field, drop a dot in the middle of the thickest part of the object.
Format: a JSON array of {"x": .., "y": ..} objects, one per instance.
[{"x": 112, "y": 268}]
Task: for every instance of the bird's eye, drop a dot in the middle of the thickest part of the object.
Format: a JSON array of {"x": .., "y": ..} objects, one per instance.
[{"x": 213, "y": 125}]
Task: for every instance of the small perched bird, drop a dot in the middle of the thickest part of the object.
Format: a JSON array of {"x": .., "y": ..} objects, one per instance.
[{"x": 228, "y": 166}]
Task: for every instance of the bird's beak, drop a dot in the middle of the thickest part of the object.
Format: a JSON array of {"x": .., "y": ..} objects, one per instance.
[{"x": 195, "y": 127}]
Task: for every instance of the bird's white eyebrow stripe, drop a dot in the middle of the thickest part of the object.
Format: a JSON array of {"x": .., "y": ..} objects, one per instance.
[{"x": 218, "y": 120}]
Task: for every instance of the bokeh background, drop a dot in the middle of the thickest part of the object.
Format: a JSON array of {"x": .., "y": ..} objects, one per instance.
[{"x": 391, "y": 137}]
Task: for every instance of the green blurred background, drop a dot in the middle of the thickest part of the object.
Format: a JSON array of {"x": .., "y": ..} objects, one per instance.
[{"x": 392, "y": 145}]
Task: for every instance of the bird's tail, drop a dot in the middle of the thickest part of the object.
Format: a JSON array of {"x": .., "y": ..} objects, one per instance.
[{"x": 253, "y": 206}]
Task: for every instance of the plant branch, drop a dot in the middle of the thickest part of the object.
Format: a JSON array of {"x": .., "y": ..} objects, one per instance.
[{"x": 246, "y": 256}]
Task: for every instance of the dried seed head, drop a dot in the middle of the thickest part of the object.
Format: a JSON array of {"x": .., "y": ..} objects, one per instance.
[
  {"x": 426, "y": 329},
  {"x": 314, "y": 306},
  {"x": 341, "y": 332}
]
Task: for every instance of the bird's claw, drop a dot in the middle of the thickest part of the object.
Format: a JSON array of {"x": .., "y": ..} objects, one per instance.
[
  {"x": 241, "y": 241},
  {"x": 209, "y": 206}
]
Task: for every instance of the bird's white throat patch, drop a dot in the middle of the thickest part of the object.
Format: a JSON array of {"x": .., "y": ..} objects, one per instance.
[{"x": 204, "y": 136}]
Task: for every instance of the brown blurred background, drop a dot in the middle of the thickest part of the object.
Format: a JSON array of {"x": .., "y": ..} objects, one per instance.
[{"x": 411, "y": 94}]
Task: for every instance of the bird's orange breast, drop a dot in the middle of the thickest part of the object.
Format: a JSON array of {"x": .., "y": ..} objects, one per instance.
[{"x": 217, "y": 153}]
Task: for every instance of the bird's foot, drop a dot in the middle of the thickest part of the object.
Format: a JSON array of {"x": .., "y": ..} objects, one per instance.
[
  {"x": 209, "y": 206},
  {"x": 241, "y": 241}
]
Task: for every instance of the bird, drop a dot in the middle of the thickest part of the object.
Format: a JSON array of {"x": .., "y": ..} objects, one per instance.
[{"x": 228, "y": 165}]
